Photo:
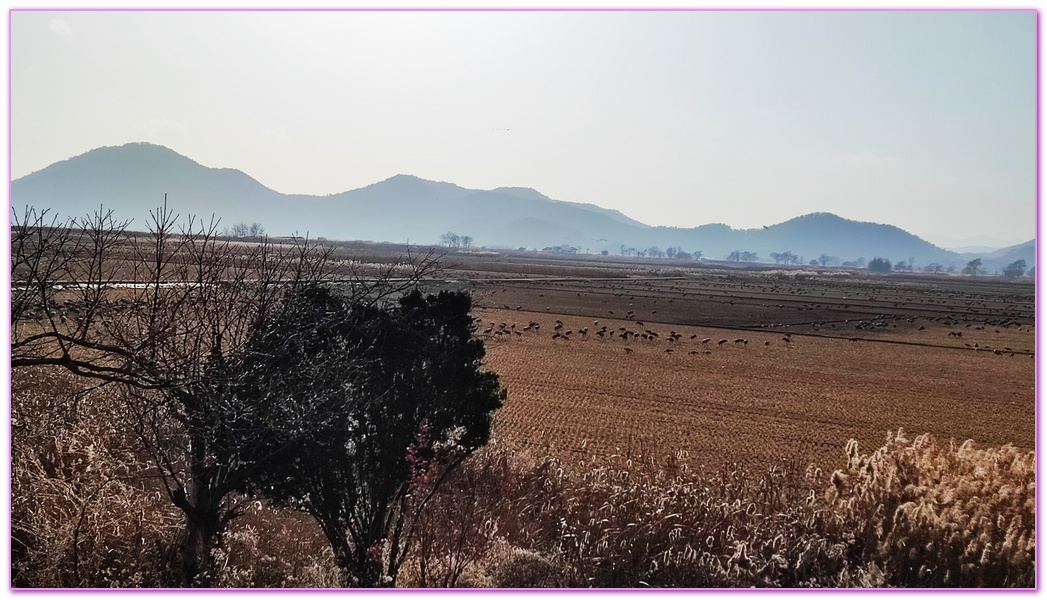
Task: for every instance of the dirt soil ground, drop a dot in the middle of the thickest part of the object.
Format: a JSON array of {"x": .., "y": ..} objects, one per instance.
[{"x": 794, "y": 366}]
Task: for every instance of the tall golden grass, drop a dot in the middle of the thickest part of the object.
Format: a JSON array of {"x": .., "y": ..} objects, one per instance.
[{"x": 912, "y": 513}]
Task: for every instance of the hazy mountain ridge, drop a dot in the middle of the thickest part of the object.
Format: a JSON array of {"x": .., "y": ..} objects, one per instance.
[{"x": 133, "y": 178}]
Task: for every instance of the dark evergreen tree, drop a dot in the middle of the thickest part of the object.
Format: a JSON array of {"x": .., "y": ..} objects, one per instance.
[{"x": 355, "y": 414}]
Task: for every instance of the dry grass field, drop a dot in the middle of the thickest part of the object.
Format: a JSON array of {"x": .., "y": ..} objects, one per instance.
[
  {"x": 805, "y": 367},
  {"x": 630, "y": 385}
]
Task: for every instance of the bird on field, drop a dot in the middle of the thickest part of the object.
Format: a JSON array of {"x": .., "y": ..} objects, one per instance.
[{"x": 721, "y": 342}]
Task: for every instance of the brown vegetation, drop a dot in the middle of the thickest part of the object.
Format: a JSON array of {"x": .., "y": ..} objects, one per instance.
[{"x": 619, "y": 463}]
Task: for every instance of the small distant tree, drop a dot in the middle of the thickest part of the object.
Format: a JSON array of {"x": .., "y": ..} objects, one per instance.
[
  {"x": 901, "y": 265},
  {"x": 466, "y": 241},
  {"x": 735, "y": 256},
  {"x": 237, "y": 230},
  {"x": 681, "y": 255},
  {"x": 603, "y": 253},
  {"x": 973, "y": 268},
  {"x": 950, "y": 269},
  {"x": 749, "y": 257},
  {"x": 450, "y": 239},
  {"x": 860, "y": 261},
  {"x": 671, "y": 251},
  {"x": 826, "y": 259},
  {"x": 880, "y": 265},
  {"x": 934, "y": 268},
  {"x": 1032, "y": 272},
  {"x": 655, "y": 252},
  {"x": 256, "y": 230},
  {"x": 1015, "y": 269},
  {"x": 813, "y": 263}
]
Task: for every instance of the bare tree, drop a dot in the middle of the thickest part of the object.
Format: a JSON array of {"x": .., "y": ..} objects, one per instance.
[
  {"x": 826, "y": 259},
  {"x": 450, "y": 239},
  {"x": 158, "y": 315}
]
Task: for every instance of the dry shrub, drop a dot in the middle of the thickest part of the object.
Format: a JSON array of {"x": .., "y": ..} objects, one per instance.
[
  {"x": 637, "y": 522},
  {"x": 527, "y": 569},
  {"x": 269, "y": 547},
  {"x": 81, "y": 513},
  {"x": 935, "y": 516},
  {"x": 495, "y": 503},
  {"x": 911, "y": 514}
]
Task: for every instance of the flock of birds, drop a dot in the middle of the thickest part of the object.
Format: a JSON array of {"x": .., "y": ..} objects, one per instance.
[
  {"x": 596, "y": 330},
  {"x": 641, "y": 332}
]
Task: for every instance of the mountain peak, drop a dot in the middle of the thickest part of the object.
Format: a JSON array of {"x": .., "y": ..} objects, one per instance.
[{"x": 135, "y": 176}]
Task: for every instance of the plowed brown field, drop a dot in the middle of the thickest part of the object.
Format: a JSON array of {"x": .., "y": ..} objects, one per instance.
[{"x": 762, "y": 401}]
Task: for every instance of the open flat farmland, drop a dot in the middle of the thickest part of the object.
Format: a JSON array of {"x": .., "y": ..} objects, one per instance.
[{"x": 791, "y": 370}]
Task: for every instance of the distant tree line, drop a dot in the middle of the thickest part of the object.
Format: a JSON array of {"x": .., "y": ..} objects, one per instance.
[
  {"x": 742, "y": 256},
  {"x": 455, "y": 241},
  {"x": 243, "y": 230},
  {"x": 672, "y": 252},
  {"x": 561, "y": 249}
]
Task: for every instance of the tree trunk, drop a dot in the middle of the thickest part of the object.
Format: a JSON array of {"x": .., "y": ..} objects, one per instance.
[
  {"x": 197, "y": 567},
  {"x": 358, "y": 567},
  {"x": 205, "y": 519}
]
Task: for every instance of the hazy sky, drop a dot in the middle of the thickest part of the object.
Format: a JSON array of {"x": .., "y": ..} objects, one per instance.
[{"x": 925, "y": 120}]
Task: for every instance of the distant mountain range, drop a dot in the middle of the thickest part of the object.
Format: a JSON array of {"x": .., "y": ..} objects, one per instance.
[{"x": 133, "y": 178}]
